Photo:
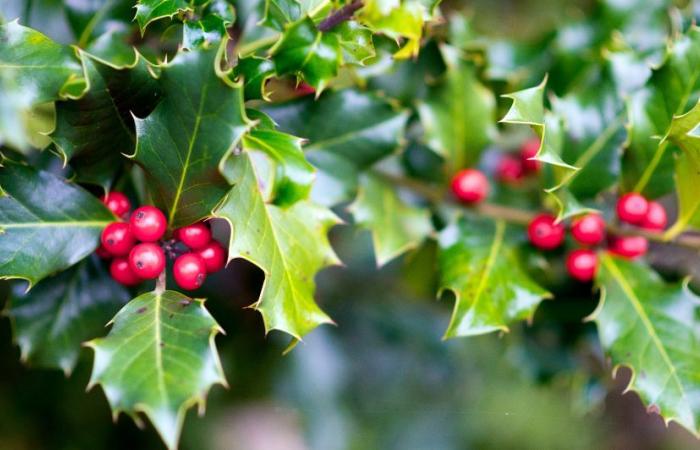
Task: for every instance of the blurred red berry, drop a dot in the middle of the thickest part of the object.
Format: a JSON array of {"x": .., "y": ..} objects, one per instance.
[
  {"x": 545, "y": 233},
  {"x": 147, "y": 260},
  {"x": 304, "y": 88},
  {"x": 632, "y": 208},
  {"x": 189, "y": 271},
  {"x": 470, "y": 186},
  {"x": 509, "y": 169},
  {"x": 589, "y": 229},
  {"x": 582, "y": 264},
  {"x": 629, "y": 246},
  {"x": 655, "y": 219}
]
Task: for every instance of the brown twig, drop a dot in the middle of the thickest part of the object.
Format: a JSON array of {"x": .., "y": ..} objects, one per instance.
[
  {"x": 523, "y": 217},
  {"x": 340, "y": 16}
]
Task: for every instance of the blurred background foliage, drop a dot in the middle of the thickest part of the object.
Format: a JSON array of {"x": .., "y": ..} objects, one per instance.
[{"x": 382, "y": 378}]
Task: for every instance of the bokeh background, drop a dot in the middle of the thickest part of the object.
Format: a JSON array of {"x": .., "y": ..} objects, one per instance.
[{"x": 382, "y": 378}]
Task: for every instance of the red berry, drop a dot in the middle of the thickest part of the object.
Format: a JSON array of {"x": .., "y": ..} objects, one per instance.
[
  {"x": 102, "y": 252},
  {"x": 509, "y": 169},
  {"x": 194, "y": 236},
  {"x": 470, "y": 186},
  {"x": 148, "y": 224},
  {"x": 545, "y": 233},
  {"x": 122, "y": 273},
  {"x": 147, "y": 260},
  {"x": 117, "y": 238},
  {"x": 528, "y": 151},
  {"x": 589, "y": 229},
  {"x": 632, "y": 208},
  {"x": 582, "y": 264},
  {"x": 304, "y": 89},
  {"x": 190, "y": 271},
  {"x": 117, "y": 202},
  {"x": 214, "y": 256},
  {"x": 629, "y": 246},
  {"x": 655, "y": 219}
]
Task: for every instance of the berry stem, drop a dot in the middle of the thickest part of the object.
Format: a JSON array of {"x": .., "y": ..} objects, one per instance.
[
  {"x": 524, "y": 217},
  {"x": 340, "y": 16},
  {"x": 160, "y": 283}
]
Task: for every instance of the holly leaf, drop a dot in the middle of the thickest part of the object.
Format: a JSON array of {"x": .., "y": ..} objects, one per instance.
[
  {"x": 182, "y": 143},
  {"x": 94, "y": 132},
  {"x": 160, "y": 359},
  {"x": 458, "y": 115},
  {"x": 90, "y": 20},
  {"x": 293, "y": 174},
  {"x": 651, "y": 326},
  {"x": 47, "y": 224},
  {"x": 648, "y": 160},
  {"x": 210, "y": 26},
  {"x": 396, "y": 226},
  {"x": 290, "y": 245},
  {"x": 279, "y": 13},
  {"x": 52, "y": 320},
  {"x": 32, "y": 59},
  {"x": 305, "y": 51},
  {"x": 254, "y": 72},
  {"x": 148, "y": 11},
  {"x": 355, "y": 41},
  {"x": 481, "y": 268},
  {"x": 683, "y": 133},
  {"x": 359, "y": 130}
]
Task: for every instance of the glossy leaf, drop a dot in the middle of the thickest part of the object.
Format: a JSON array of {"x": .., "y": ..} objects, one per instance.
[
  {"x": 290, "y": 245},
  {"x": 95, "y": 132},
  {"x": 355, "y": 41},
  {"x": 90, "y": 20},
  {"x": 254, "y": 72},
  {"x": 396, "y": 226},
  {"x": 148, "y": 11},
  {"x": 31, "y": 59},
  {"x": 160, "y": 359},
  {"x": 482, "y": 269},
  {"x": 293, "y": 174},
  {"x": 458, "y": 114},
  {"x": 648, "y": 160},
  {"x": 651, "y": 326},
  {"x": 305, "y": 51},
  {"x": 182, "y": 143},
  {"x": 359, "y": 130},
  {"x": 47, "y": 224},
  {"x": 279, "y": 13},
  {"x": 210, "y": 27},
  {"x": 60, "y": 313}
]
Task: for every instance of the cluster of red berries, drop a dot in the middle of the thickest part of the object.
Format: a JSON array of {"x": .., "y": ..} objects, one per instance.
[
  {"x": 139, "y": 252},
  {"x": 471, "y": 186}
]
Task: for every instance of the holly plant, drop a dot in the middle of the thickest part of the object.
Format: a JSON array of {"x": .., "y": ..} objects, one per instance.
[{"x": 147, "y": 143}]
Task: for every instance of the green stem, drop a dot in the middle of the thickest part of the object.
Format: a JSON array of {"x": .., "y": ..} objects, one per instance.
[
  {"x": 256, "y": 45},
  {"x": 523, "y": 217},
  {"x": 649, "y": 171}
]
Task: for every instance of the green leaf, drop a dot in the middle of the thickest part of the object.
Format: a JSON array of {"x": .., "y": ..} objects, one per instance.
[
  {"x": 14, "y": 103},
  {"x": 651, "y": 327},
  {"x": 458, "y": 114},
  {"x": 290, "y": 245},
  {"x": 52, "y": 320},
  {"x": 46, "y": 223},
  {"x": 355, "y": 41},
  {"x": 254, "y": 72},
  {"x": 94, "y": 132},
  {"x": 359, "y": 130},
  {"x": 683, "y": 133},
  {"x": 293, "y": 174},
  {"x": 483, "y": 271},
  {"x": 279, "y": 13},
  {"x": 648, "y": 160},
  {"x": 32, "y": 59},
  {"x": 148, "y": 11},
  {"x": 396, "y": 227},
  {"x": 306, "y": 52},
  {"x": 91, "y": 19},
  {"x": 181, "y": 145},
  {"x": 160, "y": 359},
  {"x": 210, "y": 27}
]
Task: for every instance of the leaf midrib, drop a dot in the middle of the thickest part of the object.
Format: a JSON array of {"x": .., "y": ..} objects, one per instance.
[{"x": 648, "y": 325}]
